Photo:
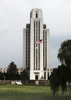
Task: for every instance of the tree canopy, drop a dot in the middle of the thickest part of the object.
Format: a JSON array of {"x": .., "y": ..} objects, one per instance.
[
  {"x": 62, "y": 74},
  {"x": 12, "y": 71},
  {"x": 24, "y": 75},
  {"x": 58, "y": 78},
  {"x": 64, "y": 53},
  {"x": 1, "y": 76}
]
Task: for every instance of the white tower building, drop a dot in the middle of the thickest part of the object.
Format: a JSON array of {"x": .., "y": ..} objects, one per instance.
[{"x": 36, "y": 56}]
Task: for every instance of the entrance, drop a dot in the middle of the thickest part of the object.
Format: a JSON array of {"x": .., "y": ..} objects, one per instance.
[{"x": 36, "y": 77}]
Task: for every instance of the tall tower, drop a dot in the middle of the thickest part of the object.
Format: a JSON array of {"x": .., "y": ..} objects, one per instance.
[{"x": 36, "y": 55}]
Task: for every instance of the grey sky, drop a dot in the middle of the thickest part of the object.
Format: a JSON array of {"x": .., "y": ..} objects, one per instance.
[{"x": 14, "y": 14}]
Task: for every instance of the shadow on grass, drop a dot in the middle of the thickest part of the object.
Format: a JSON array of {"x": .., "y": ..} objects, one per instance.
[
  {"x": 31, "y": 96},
  {"x": 14, "y": 92}
]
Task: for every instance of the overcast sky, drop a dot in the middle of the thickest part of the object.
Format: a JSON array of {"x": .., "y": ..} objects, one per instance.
[{"x": 15, "y": 14}]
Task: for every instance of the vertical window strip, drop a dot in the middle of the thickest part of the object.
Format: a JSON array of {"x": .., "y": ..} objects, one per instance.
[
  {"x": 26, "y": 48},
  {"x": 34, "y": 45},
  {"x": 43, "y": 49},
  {"x": 39, "y": 45}
]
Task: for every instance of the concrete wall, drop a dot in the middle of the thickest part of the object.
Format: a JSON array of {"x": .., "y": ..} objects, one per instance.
[
  {"x": 13, "y": 82},
  {"x": 5, "y": 81}
]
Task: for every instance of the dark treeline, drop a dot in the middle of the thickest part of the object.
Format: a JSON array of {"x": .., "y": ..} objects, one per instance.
[{"x": 12, "y": 73}]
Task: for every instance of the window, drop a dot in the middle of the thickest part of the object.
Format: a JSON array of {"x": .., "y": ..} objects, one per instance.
[{"x": 36, "y": 15}]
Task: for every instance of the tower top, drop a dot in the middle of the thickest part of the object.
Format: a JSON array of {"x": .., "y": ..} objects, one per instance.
[{"x": 36, "y": 13}]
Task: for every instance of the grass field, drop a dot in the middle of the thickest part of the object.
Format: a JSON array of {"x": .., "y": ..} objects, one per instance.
[{"x": 21, "y": 92}]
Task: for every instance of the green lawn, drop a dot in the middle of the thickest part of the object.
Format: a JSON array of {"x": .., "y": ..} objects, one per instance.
[{"x": 21, "y": 92}]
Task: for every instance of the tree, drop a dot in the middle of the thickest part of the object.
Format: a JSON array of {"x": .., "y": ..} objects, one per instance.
[
  {"x": 12, "y": 71},
  {"x": 1, "y": 76},
  {"x": 62, "y": 74},
  {"x": 54, "y": 81},
  {"x": 58, "y": 78},
  {"x": 64, "y": 53},
  {"x": 24, "y": 75},
  {"x": 62, "y": 77}
]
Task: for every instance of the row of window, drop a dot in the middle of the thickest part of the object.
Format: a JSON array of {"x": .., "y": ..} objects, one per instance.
[
  {"x": 3, "y": 69},
  {"x": 27, "y": 54},
  {"x": 28, "y": 40},
  {"x": 27, "y": 31},
  {"x": 27, "y": 34},
  {"x": 36, "y": 68},
  {"x": 28, "y": 64},
  {"x": 44, "y": 41}
]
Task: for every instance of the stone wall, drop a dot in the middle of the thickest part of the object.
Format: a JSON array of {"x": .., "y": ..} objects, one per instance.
[
  {"x": 13, "y": 82},
  {"x": 37, "y": 82},
  {"x": 44, "y": 82},
  {"x": 5, "y": 81}
]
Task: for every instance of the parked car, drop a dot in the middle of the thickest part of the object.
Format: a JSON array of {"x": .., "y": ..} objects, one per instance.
[{"x": 18, "y": 82}]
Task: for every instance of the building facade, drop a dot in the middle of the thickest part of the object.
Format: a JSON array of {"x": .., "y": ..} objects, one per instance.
[
  {"x": 4, "y": 69},
  {"x": 36, "y": 55}
]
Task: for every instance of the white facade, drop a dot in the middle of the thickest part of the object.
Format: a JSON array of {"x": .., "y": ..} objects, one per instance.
[{"x": 36, "y": 57}]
